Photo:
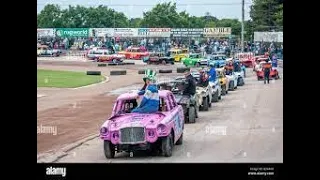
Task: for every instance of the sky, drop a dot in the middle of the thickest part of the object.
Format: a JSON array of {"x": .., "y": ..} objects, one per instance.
[{"x": 135, "y": 8}]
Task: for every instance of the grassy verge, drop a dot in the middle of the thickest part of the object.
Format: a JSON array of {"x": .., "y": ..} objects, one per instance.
[{"x": 65, "y": 79}]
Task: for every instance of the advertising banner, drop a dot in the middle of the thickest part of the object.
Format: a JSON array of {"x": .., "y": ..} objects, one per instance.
[
  {"x": 102, "y": 32},
  {"x": 154, "y": 32},
  {"x": 187, "y": 32},
  {"x": 268, "y": 36},
  {"x": 125, "y": 32},
  {"x": 45, "y": 32},
  {"x": 72, "y": 32},
  {"x": 217, "y": 32}
]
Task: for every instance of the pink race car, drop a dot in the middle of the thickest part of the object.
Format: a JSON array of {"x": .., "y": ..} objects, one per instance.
[{"x": 156, "y": 132}]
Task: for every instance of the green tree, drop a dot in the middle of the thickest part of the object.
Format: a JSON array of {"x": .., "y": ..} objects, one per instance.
[
  {"x": 267, "y": 15},
  {"x": 50, "y": 17},
  {"x": 163, "y": 15}
]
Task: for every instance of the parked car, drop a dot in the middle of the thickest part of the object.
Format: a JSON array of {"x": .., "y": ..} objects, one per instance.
[
  {"x": 274, "y": 74},
  {"x": 179, "y": 54},
  {"x": 154, "y": 132}
]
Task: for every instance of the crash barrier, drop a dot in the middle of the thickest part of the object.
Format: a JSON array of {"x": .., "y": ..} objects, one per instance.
[
  {"x": 118, "y": 72},
  {"x": 141, "y": 71},
  {"x": 95, "y": 73},
  {"x": 115, "y": 64},
  {"x": 280, "y": 63},
  {"x": 182, "y": 69}
]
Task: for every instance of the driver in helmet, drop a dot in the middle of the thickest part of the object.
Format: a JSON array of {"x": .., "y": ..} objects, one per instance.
[{"x": 150, "y": 100}]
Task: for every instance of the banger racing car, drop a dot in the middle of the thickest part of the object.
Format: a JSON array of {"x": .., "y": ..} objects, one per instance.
[
  {"x": 274, "y": 74},
  {"x": 107, "y": 56},
  {"x": 190, "y": 104},
  {"x": 134, "y": 53},
  {"x": 154, "y": 132},
  {"x": 44, "y": 50},
  {"x": 194, "y": 59},
  {"x": 158, "y": 58}
]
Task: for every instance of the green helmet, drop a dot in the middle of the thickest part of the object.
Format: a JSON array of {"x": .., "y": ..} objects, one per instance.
[{"x": 149, "y": 74}]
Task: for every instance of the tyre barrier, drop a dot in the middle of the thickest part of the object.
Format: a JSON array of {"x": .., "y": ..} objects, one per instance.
[
  {"x": 102, "y": 65},
  {"x": 182, "y": 69},
  {"x": 141, "y": 71},
  {"x": 94, "y": 73},
  {"x": 118, "y": 72},
  {"x": 165, "y": 71},
  {"x": 129, "y": 63}
]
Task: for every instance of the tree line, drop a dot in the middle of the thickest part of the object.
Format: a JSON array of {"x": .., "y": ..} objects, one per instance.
[{"x": 266, "y": 15}]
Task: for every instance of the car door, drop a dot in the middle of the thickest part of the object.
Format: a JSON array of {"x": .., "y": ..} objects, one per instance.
[{"x": 178, "y": 117}]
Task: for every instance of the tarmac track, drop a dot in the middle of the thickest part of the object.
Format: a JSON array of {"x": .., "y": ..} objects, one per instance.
[{"x": 252, "y": 115}]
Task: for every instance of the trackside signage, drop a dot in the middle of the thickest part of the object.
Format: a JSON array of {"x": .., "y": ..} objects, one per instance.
[
  {"x": 187, "y": 32},
  {"x": 154, "y": 32},
  {"x": 217, "y": 32},
  {"x": 72, "y": 32}
]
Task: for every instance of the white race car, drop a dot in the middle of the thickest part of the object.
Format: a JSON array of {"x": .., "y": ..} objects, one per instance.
[
  {"x": 216, "y": 90},
  {"x": 233, "y": 81}
]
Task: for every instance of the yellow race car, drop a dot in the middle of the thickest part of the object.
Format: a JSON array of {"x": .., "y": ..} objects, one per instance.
[
  {"x": 224, "y": 82},
  {"x": 178, "y": 54}
]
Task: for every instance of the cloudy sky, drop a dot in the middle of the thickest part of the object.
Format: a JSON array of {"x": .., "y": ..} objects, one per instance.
[{"x": 135, "y": 8}]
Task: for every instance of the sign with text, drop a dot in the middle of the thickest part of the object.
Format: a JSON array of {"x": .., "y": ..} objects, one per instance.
[
  {"x": 154, "y": 32},
  {"x": 102, "y": 32},
  {"x": 187, "y": 32},
  {"x": 217, "y": 32},
  {"x": 72, "y": 32},
  {"x": 268, "y": 36},
  {"x": 125, "y": 32},
  {"x": 45, "y": 32}
]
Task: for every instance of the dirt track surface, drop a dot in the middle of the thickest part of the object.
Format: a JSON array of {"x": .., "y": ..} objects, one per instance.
[
  {"x": 252, "y": 115},
  {"x": 78, "y": 113}
]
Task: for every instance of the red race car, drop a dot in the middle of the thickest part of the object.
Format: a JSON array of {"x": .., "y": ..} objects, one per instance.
[
  {"x": 134, "y": 53},
  {"x": 246, "y": 59},
  {"x": 274, "y": 74}
]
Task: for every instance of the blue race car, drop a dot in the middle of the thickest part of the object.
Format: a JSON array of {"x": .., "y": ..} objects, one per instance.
[{"x": 217, "y": 60}]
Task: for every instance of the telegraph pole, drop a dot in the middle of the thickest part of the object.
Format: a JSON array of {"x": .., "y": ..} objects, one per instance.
[{"x": 242, "y": 27}]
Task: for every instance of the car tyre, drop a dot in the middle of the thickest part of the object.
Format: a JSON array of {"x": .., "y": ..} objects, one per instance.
[
  {"x": 231, "y": 86},
  {"x": 109, "y": 150},
  {"x": 180, "y": 140},
  {"x": 205, "y": 106},
  {"x": 191, "y": 114},
  {"x": 215, "y": 97},
  {"x": 167, "y": 145}
]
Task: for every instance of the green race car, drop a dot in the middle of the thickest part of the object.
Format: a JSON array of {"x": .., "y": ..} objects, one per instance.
[{"x": 194, "y": 59}]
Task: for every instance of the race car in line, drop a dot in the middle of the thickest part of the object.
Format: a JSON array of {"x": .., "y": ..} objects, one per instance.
[
  {"x": 107, "y": 56},
  {"x": 136, "y": 53},
  {"x": 153, "y": 132},
  {"x": 274, "y": 74},
  {"x": 194, "y": 59},
  {"x": 158, "y": 58}
]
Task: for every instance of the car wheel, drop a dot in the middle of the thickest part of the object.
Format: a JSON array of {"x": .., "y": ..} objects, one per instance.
[
  {"x": 231, "y": 86},
  {"x": 180, "y": 140},
  {"x": 209, "y": 102},
  {"x": 223, "y": 90},
  {"x": 167, "y": 145},
  {"x": 240, "y": 81},
  {"x": 215, "y": 97},
  {"x": 205, "y": 104},
  {"x": 109, "y": 150},
  {"x": 191, "y": 114}
]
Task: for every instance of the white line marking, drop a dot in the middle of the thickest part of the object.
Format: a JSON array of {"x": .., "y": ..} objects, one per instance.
[
  {"x": 106, "y": 80},
  {"x": 40, "y": 95}
]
